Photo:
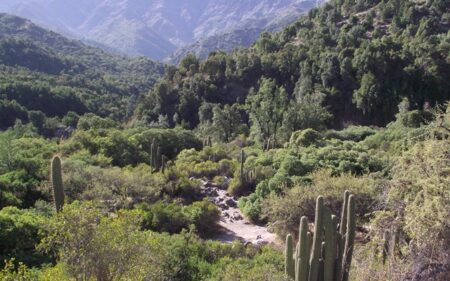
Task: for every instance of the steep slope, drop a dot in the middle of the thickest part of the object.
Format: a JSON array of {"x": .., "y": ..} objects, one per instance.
[
  {"x": 358, "y": 59},
  {"x": 44, "y": 71},
  {"x": 245, "y": 34},
  {"x": 155, "y": 28}
]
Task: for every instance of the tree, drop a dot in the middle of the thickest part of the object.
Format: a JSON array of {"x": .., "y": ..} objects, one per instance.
[
  {"x": 367, "y": 96},
  {"x": 266, "y": 108},
  {"x": 226, "y": 121},
  {"x": 306, "y": 112}
]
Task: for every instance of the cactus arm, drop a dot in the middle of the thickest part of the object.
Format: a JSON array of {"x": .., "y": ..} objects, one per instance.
[
  {"x": 303, "y": 255},
  {"x": 330, "y": 246},
  {"x": 343, "y": 225},
  {"x": 341, "y": 237},
  {"x": 289, "y": 257},
  {"x": 349, "y": 238},
  {"x": 317, "y": 241}
]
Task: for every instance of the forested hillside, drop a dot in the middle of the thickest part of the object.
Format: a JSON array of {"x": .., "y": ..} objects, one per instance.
[
  {"x": 44, "y": 74},
  {"x": 357, "y": 59},
  {"x": 321, "y": 153}
]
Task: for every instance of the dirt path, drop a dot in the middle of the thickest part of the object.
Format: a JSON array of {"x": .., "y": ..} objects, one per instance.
[{"x": 232, "y": 222}]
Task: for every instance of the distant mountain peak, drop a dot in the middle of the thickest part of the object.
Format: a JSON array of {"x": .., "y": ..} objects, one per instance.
[{"x": 157, "y": 28}]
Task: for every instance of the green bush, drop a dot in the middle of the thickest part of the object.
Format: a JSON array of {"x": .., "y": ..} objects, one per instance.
[
  {"x": 352, "y": 133},
  {"x": 164, "y": 217},
  {"x": 305, "y": 138},
  {"x": 287, "y": 209},
  {"x": 20, "y": 232},
  {"x": 204, "y": 215}
]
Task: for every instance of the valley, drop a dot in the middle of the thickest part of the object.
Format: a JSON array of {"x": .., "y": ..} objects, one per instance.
[{"x": 319, "y": 150}]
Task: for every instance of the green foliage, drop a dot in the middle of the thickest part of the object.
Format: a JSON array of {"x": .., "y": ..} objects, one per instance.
[
  {"x": 173, "y": 218},
  {"x": 285, "y": 211},
  {"x": 346, "y": 62},
  {"x": 352, "y": 133},
  {"x": 41, "y": 70},
  {"x": 113, "y": 247},
  {"x": 305, "y": 138},
  {"x": 266, "y": 109},
  {"x": 23, "y": 166},
  {"x": 132, "y": 146},
  {"x": 20, "y": 232}
]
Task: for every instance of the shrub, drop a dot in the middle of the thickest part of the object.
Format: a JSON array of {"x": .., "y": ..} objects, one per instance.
[
  {"x": 204, "y": 215},
  {"x": 285, "y": 210},
  {"x": 164, "y": 217},
  {"x": 306, "y": 138},
  {"x": 20, "y": 232},
  {"x": 352, "y": 133}
]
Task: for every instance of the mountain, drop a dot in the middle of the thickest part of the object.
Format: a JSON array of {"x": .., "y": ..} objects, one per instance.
[
  {"x": 157, "y": 28},
  {"x": 43, "y": 71},
  {"x": 357, "y": 63},
  {"x": 244, "y": 34}
]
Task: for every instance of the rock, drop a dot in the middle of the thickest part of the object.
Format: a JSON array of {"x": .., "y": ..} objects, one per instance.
[
  {"x": 212, "y": 193},
  {"x": 208, "y": 184},
  {"x": 260, "y": 242},
  {"x": 237, "y": 216},
  {"x": 230, "y": 202},
  {"x": 223, "y": 206}
]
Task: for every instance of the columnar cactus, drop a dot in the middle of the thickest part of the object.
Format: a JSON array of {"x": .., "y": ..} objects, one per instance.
[
  {"x": 317, "y": 241},
  {"x": 163, "y": 163},
  {"x": 158, "y": 159},
  {"x": 349, "y": 238},
  {"x": 153, "y": 154},
  {"x": 303, "y": 251},
  {"x": 289, "y": 260},
  {"x": 326, "y": 255},
  {"x": 57, "y": 183},
  {"x": 242, "y": 167}
]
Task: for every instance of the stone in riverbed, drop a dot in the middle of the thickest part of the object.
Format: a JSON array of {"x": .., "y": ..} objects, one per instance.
[
  {"x": 223, "y": 206},
  {"x": 237, "y": 216},
  {"x": 230, "y": 202}
]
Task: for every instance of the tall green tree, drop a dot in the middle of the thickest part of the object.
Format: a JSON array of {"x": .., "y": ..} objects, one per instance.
[{"x": 266, "y": 108}]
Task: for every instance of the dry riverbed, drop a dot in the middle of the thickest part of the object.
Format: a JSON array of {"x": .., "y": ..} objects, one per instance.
[{"x": 232, "y": 222}]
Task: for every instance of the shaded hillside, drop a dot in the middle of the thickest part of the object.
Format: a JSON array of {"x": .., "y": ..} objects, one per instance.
[
  {"x": 39, "y": 67},
  {"x": 154, "y": 28}
]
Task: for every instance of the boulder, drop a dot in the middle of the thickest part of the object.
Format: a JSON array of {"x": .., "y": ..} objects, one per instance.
[
  {"x": 231, "y": 202},
  {"x": 223, "y": 206}
]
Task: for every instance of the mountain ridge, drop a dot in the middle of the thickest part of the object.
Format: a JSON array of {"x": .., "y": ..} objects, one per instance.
[
  {"x": 155, "y": 28},
  {"x": 39, "y": 67}
]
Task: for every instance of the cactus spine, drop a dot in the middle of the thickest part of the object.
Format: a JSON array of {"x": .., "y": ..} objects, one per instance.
[
  {"x": 326, "y": 255},
  {"x": 57, "y": 183}
]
